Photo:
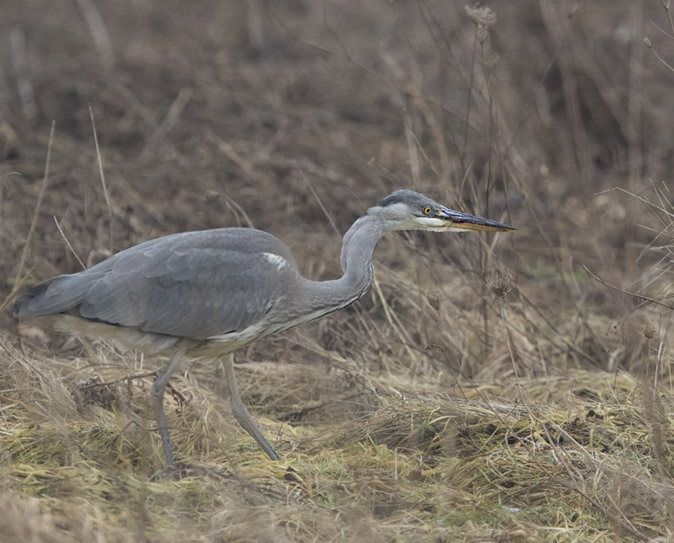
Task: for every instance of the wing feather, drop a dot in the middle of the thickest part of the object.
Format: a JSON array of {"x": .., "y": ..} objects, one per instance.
[{"x": 193, "y": 285}]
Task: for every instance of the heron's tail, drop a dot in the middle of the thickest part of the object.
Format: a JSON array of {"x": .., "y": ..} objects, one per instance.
[{"x": 55, "y": 295}]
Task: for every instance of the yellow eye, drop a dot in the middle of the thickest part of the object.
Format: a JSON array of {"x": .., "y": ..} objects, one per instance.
[{"x": 427, "y": 210}]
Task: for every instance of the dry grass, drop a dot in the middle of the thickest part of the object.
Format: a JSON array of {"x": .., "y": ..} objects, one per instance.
[{"x": 503, "y": 388}]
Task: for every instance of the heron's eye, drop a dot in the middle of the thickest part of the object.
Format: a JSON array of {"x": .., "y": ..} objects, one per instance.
[{"x": 427, "y": 210}]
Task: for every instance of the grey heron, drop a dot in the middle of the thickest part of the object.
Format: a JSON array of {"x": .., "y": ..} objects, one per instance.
[{"x": 206, "y": 294}]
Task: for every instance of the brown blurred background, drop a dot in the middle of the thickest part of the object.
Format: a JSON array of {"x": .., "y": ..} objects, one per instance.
[
  {"x": 514, "y": 387},
  {"x": 212, "y": 114}
]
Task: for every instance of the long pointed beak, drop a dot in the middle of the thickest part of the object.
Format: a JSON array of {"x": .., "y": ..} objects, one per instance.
[{"x": 463, "y": 222}]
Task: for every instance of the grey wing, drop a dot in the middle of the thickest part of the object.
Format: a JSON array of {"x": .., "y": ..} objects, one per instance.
[
  {"x": 172, "y": 286},
  {"x": 196, "y": 293}
]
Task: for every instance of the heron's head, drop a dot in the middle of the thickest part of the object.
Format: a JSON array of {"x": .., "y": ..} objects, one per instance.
[{"x": 409, "y": 210}]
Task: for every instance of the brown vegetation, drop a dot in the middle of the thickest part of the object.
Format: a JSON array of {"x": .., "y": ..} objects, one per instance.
[{"x": 507, "y": 388}]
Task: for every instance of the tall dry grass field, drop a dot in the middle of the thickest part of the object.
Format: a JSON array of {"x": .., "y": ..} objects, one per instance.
[{"x": 488, "y": 388}]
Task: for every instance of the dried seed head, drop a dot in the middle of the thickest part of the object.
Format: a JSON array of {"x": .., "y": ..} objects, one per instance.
[
  {"x": 94, "y": 391},
  {"x": 500, "y": 284},
  {"x": 435, "y": 299},
  {"x": 571, "y": 8},
  {"x": 482, "y": 16}
]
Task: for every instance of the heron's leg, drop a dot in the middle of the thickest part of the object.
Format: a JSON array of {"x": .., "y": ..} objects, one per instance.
[
  {"x": 241, "y": 413},
  {"x": 157, "y": 391}
]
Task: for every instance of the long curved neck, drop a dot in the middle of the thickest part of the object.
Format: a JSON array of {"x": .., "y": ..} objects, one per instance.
[{"x": 357, "y": 248}]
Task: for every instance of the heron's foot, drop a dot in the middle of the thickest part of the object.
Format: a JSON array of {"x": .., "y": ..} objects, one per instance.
[
  {"x": 246, "y": 421},
  {"x": 158, "y": 405},
  {"x": 241, "y": 413}
]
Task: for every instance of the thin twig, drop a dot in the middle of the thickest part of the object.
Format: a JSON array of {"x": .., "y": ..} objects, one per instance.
[
  {"x": 369, "y": 71},
  {"x": 334, "y": 34},
  {"x": 666, "y": 6},
  {"x": 662, "y": 60},
  {"x": 660, "y": 29},
  {"x": 633, "y": 294},
  {"x": 120, "y": 380},
  {"x": 33, "y": 224},
  {"x": 99, "y": 32},
  {"x": 24, "y": 84},
  {"x": 102, "y": 175},
  {"x": 68, "y": 243},
  {"x": 171, "y": 118},
  {"x": 320, "y": 204}
]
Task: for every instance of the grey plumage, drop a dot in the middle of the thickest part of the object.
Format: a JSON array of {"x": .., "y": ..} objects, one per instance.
[
  {"x": 209, "y": 293},
  {"x": 404, "y": 196},
  {"x": 172, "y": 285}
]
